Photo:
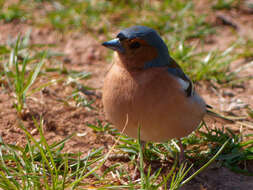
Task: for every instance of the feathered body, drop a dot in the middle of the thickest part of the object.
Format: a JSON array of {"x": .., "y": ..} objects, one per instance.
[{"x": 151, "y": 99}]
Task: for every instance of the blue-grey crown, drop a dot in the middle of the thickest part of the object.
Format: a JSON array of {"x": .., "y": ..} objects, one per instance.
[
  {"x": 152, "y": 38},
  {"x": 147, "y": 34}
]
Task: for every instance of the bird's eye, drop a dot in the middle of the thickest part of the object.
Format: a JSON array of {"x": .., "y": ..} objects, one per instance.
[
  {"x": 134, "y": 45},
  {"x": 121, "y": 37}
]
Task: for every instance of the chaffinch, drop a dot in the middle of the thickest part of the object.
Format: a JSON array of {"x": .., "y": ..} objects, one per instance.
[{"x": 145, "y": 87}]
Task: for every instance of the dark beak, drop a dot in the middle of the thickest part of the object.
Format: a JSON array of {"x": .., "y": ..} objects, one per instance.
[{"x": 114, "y": 45}]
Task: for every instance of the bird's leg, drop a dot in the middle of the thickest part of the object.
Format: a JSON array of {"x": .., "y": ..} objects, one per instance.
[
  {"x": 136, "y": 171},
  {"x": 181, "y": 153}
]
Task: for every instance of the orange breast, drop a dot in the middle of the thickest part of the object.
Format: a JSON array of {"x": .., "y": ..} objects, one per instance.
[{"x": 153, "y": 100}]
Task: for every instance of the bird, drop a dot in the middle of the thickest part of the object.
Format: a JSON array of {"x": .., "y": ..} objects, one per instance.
[{"x": 145, "y": 88}]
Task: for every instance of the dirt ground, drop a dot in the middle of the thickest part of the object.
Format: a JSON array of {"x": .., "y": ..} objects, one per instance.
[{"x": 84, "y": 53}]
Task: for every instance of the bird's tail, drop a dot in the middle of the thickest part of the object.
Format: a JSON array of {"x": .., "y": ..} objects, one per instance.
[{"x": 212, "y": 115}]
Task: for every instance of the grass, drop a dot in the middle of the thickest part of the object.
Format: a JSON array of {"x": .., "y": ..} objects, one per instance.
[
  {"x": 176, "y": 17},
  {"x": 22, "y": 66},
  {"x": 22, "y": 83},
  {"x": 225, "y": 4},
  {"x": 205, "y": 65},
  {"x": 237, "y": 153},
  {"x": 13, "y": 12},
  {"x": 21, "y": 70},
  {"x": 38, "y": 164}
]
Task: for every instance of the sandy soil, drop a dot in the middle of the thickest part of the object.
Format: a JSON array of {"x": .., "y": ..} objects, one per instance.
[{"x": 84, "y": 53}]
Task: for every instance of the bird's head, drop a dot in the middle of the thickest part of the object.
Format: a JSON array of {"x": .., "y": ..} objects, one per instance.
[{"x": 139, "y": 47}]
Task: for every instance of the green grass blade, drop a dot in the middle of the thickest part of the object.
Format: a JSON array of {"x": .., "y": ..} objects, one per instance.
[
  {"x": 206, "y": 165},
  {"x": 33, "y": 75}
]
